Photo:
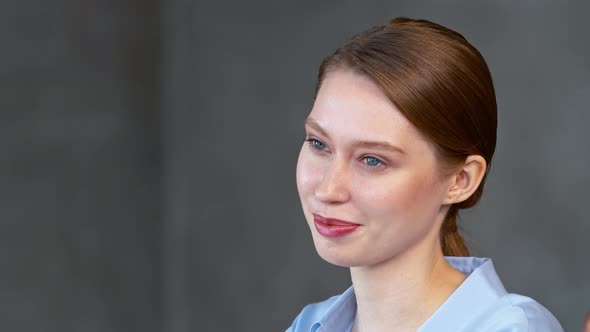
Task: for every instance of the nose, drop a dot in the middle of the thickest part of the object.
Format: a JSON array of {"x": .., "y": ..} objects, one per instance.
[{"x": 334, "y": 185}]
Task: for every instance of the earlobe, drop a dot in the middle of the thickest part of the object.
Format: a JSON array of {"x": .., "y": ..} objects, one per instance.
[{"x": 466, "y": 179}]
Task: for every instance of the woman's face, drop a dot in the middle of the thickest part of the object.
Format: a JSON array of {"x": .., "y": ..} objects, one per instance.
[{"x": 391, "y": 190}]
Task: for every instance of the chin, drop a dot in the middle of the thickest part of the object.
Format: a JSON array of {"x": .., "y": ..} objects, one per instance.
[
  {"x": 337, "y": 255},
  {"x": 338, "y": 260}
]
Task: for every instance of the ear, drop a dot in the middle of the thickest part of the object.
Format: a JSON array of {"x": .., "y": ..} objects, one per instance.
[{"x": 466, "y": 180}]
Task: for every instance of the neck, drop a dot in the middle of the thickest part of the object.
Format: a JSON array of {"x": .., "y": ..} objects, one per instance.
[{"x": 401, "y": 293}]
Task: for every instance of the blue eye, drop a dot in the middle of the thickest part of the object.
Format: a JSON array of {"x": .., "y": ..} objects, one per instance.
[
  {"x": 372, "y": 161},
  {"x": 317, "y": 144}
]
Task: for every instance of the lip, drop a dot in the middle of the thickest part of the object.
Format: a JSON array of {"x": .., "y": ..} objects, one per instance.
[{"x": 331, "y": 227}]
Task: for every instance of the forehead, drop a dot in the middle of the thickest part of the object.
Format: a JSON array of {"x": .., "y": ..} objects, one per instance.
[{"x": 351, "y": 105}]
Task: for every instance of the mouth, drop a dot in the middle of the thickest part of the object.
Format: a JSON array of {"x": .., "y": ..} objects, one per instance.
[
  {"x": 330, "y": 227},
  {"x": 332, "y": 221}
]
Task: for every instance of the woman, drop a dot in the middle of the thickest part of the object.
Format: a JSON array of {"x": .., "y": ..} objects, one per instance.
[{"x": 400, "y": 137}]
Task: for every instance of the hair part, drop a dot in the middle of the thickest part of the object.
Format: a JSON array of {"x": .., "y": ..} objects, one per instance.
[{"x": 441, "y": 84}]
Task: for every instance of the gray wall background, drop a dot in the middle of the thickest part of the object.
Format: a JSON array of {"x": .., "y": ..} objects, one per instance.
[
  {"x": 150, "y": 150},
  {"x": 80, "y": 206}
]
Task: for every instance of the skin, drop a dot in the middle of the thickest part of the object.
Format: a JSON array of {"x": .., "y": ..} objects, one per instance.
[{"x": 399, "y": 196}]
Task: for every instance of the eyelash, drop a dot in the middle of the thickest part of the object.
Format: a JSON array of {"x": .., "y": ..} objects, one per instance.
[{"x": 311, "y": 142}]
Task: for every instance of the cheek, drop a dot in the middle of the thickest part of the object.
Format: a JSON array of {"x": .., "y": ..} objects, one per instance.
[
  {"x": 403, "y": 194},
  {"x": 306, "y": 173}
]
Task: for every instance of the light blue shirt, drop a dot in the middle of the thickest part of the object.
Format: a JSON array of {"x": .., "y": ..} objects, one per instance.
[{"x": 480, "y": 303}]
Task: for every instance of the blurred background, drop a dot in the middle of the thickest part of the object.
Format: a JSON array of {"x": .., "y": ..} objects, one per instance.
[{"x": 149, "y": 151}]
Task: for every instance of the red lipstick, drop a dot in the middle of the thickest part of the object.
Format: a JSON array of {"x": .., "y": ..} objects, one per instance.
[{"x": 330, "y": 227}]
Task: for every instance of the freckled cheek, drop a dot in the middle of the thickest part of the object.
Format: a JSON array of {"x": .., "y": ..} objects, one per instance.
[{"x": 398, "y": 194}]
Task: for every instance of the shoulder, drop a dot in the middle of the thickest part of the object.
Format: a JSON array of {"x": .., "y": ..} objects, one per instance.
[
  {"x": 516, "y": 313},
  {"x": 481, "y": 303},
  {"x": 311, "y": 314}
]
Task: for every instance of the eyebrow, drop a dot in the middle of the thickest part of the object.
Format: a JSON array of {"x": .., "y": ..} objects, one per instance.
[{"x": 366, "y": 144}]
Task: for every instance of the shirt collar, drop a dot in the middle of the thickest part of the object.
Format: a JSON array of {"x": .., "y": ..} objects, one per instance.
[
  {"x": 340, "y": 315},
  {"x": 481, "y": 288}
]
